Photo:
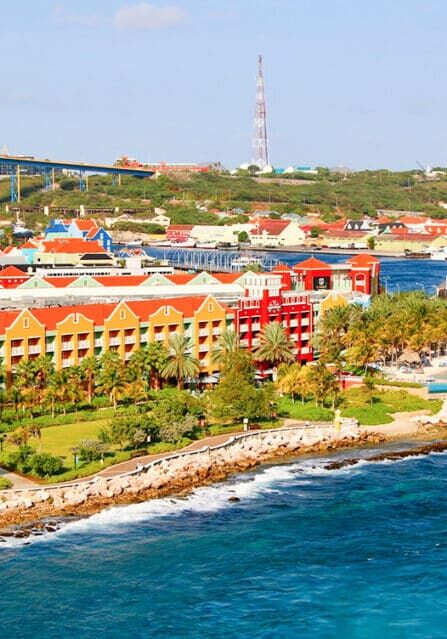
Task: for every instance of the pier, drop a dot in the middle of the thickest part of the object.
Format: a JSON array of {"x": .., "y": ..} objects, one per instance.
[{"x": 211, "y": 260}]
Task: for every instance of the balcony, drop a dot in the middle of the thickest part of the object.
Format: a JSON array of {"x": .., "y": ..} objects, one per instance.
[
  {"x": 305, "y": 321},
  {"x": 293, "y": 323},
  {"x": 217, "y": 331},
  {"x": 204, "y": 361},
  {"x": 34, "y": 350},
  {"x": 67, "y": 346},
  {"x": 130, "y": 339},
  {"x": 143, "y": 338},
  {"x": 98, "y": 342},
  {"x": 305, "y": 336},
  {"x": 2, "y": 351},
  {"x": 243, "y": 343},
  {"x": 203, "y": 348},
  {"x": 243, "y": 328},
  {"x": 305, "y": 350},
  {"x": 67, "y": 362},
  {"x": 294, "y": 337},
  {"x": 256, "y": 326},
  {"x": 255, "y": 341},
  {"x": 128, "y": 355},
  {"x": 203, "y": 332},
  {"x": 159, "y": 337},
  {"x": 17, "y": 350},
  {"x": 83, "y": 343},
  {"x": 50, "y": 347},
  {"x": 114, "y": 341}
]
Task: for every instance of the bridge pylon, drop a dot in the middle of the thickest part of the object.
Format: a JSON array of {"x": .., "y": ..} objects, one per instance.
[{"x": 14, "y": 174}]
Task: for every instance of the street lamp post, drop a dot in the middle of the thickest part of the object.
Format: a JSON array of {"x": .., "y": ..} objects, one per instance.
[{"x": 2, "y": 439}]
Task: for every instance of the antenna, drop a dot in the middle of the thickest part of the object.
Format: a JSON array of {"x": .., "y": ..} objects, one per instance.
[{"x": 260, "y": 150}]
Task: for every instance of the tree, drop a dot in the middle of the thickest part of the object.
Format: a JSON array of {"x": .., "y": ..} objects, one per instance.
[
  {"x": 276, "y": 346},
  {"x": 293, "y": 380},
  {"x": 111, "y": 380},
  {"x": 90, "y": 450},
  {"x": 371, "y": 241},
  {"x": 322, "y": 383},
  {"x": 147, "y": 364},
  {"x": 227, "y": 345},
  {"x": 243, "y": 237},
  {"x": 89, "y": 369},
  {"x": 236, "y": 397},
  {"x": 181, "y": 363},
  {"x": 44, "y": 464}
]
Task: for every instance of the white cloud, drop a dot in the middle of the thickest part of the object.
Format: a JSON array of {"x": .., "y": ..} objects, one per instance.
[
  {"x": 145, "y": 16},
  {"x": 64, "y": 16}
]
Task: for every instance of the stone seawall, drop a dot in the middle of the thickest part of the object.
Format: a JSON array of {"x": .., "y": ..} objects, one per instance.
[{"x": 171, "y": 474}]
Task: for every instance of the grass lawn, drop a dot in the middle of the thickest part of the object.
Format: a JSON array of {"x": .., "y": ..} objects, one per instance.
[{"x": 356, "y": 403}]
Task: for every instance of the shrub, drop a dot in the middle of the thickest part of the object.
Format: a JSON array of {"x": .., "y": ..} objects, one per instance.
[
  {"x": 5, "y": 483},
  {"x": 90, "y": 449},
  {"x": 20, "y": 459},
  {"x": 44, "y": 464}
]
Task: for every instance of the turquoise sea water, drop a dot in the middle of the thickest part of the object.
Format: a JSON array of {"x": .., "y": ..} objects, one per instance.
[{"x": 306, "y": 552}]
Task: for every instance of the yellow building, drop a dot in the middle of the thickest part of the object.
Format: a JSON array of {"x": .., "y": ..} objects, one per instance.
[{"x": 69, "y": 334}]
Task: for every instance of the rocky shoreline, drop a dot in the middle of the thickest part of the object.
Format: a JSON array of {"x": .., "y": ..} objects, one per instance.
[{"x": 27, "y": 512}]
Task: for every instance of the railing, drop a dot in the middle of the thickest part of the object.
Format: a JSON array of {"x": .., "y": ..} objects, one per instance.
[
  {"x": 203, "y": 332},
  {"x": 143, "y": 338},
  {"x": 294, "y": 323},
  {"x": 50, "y": 348},
  {"x": 203, "y": 348},
  {"x": 159, "y": 337},
  {"x": 256, "y": 326},
  {"x": 305, "y": 336},
  {"x": 114, "y": 341},
  {"x": 99, "y": 341},
  {"x": 83, "y": 343},
  {"x": 243, "y": 328},
  {"x": 67, "y": 362},
  {"x": 304, "y": 322},
  {"x": 130, "y": 339},
  {"x": 217, "y": 331},
  {"x": 34, "y": 350},
  {"x": 66, "y": 346},
  {"x": 17, "y": 350}
]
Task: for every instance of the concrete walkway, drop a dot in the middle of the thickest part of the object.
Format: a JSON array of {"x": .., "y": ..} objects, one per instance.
[{"x": 17, "y": 481}]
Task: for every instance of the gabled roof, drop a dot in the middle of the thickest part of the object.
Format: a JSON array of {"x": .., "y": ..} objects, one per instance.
[
  {"x": 60, "y": 282},
  {"x": 363, "y": 259},
  {"x": 282, "y": 268},
  {"x": 82, "y": 224},
  {"x": 410, "y": 219},
  {"x": 29, "y": 244},
  {"x": 12, "y": 271},
  {"x": 272, "y": 227},
  {"x": 120, "y": 280},
  {"x": 180, "y": 227},
  {"x": 72, "y": 245},
  {"x": 227, "y": 278},
  {"x": 312, "y": 263},
  {"x": 180, "y": 278}
]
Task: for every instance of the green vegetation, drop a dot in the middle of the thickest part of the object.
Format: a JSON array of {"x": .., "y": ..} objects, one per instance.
[
  {"x": 5, "y": 484},
  {"x": 331, "y": 195}
]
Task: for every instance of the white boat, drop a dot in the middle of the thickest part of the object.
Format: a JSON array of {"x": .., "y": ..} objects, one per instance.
[
  {"x": 206, "y": 245},
  {"x": 134, "y": 243},
  {"x": 439, "y": 255},
  {"x": 185, "y": 244}
]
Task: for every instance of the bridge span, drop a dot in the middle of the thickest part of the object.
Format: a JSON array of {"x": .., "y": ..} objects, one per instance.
[{"x": 48, "y": 167}]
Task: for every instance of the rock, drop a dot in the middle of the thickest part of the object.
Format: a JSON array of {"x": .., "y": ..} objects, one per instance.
[{"x": 233, "y": 499}]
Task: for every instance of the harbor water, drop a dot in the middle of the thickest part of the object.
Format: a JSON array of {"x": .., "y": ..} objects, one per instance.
[{"x": 359, "y": 552}]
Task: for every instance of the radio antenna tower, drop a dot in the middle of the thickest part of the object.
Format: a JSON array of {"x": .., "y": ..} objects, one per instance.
[{"x": 260, "y": 150}]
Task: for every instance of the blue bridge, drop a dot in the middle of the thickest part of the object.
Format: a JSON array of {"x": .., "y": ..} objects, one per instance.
[{"x": 48, "y": 167}]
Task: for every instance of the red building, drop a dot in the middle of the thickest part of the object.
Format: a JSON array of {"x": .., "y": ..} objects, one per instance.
[
  {"x": 179, "y": 232},
  {"x": 267, "y": 301},
  {"x": 11, "y": 277},
  {"x": 360, "y": 274}
]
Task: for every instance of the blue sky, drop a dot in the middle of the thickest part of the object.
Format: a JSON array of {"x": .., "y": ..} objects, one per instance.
[{"x": 350, "y": 82}]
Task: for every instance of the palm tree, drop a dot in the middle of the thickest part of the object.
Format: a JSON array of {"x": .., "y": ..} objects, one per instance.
[
  {"x": 276, "y": 347},
  {"x": 147, "y": 364},
  {"x": 227, "y": 345},
  {"x": 43, "y": 368},
  {"x": 292, "y": 380},
  {"x": 181, "y": 363},
  {"x": 89, "y": 369},
  {"x": 111, "y": 380},
  {"x": 35, "y": 431}
]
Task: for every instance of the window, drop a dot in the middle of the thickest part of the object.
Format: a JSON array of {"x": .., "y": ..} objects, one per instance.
[
  {"x": 26, "y": 322},
  {"x": 210, "y": 306},
  {"x": 122, "y": 314},
  {"x": 166, "y": 310}
]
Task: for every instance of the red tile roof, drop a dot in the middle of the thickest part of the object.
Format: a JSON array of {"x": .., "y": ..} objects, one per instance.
[
  {"x": 12, "y": 271},
  {"x": 72, "y": 245},
  {"x": 312, "y": 263},
  {"x": 410, "y": 219},
  {"x": 180, "y": 278},
  {"x": 282, "y": 268},
  {"x": 29, "y": 244},
  {"x": 363, "y": 259},
  {"x": 60, "y": 282},
  {"x": 272, "y": 227},
  {"x": 180, "y": 227},
  {"x": 227, "y": 278},
  {"x": 346, "y": 234},
  {"x": 121, "y": 280}
]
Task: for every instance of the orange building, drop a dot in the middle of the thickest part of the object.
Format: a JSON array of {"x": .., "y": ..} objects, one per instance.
[{"x": 69, "y": 334}]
